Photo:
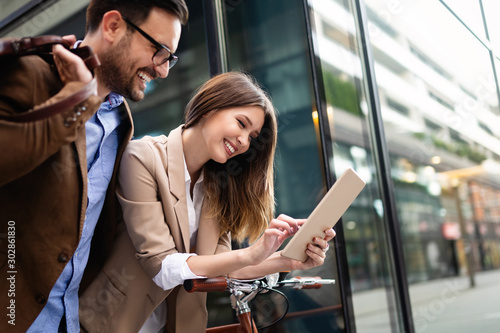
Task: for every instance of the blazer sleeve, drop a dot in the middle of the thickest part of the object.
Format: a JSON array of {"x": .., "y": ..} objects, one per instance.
[
  {"x": 28, "y": 83},
  {"x": 142, "y": 207}
]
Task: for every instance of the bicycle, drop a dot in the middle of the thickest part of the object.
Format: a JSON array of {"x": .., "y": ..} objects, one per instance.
[{"x": 244, "y": 291}]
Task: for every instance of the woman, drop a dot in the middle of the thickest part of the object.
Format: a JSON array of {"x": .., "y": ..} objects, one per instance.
[{"x": 183, "y": 198}]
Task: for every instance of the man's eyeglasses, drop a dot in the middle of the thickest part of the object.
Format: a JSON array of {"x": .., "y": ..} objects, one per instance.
[{"x": 162, "y": 54}]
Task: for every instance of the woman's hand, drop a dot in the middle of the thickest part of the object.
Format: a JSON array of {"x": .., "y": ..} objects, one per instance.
[
  {"x": 279, "y": 229},
  {"x": 316, "y": 252},
  {"x": 260, "y": 259}
]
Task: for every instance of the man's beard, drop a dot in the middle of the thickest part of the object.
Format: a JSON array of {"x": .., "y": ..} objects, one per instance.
[{"x": 117, "y": 71}]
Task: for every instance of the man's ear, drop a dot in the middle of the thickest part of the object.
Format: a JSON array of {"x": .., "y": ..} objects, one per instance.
[{"x": 113, "y": 26}]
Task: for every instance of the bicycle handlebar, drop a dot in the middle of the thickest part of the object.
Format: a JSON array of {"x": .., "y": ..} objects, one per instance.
[
  {"x": 222, "y": 284},
  {"x": 244, "y": 291},
  {"x": 210, "y": 284},
  {"x": 299, "y": 282}
]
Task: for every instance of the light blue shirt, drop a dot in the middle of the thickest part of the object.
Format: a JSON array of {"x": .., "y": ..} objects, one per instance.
[{"x": 103, "y": 137}]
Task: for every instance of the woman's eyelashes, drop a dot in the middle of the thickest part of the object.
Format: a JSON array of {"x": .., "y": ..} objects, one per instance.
[{"x": 242, "y": 125}]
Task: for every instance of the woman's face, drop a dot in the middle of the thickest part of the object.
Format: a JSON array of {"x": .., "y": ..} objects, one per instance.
[{"x": 228, "y": 132}]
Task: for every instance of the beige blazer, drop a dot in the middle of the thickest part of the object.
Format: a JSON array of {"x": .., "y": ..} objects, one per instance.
[{"x": 152, "y": 195}]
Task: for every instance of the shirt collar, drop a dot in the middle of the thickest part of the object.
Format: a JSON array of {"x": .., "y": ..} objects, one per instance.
[{"x": 114, "y": 99}]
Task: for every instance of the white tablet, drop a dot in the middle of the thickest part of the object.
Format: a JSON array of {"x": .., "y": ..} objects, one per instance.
[{"x": 326, "y": 214}]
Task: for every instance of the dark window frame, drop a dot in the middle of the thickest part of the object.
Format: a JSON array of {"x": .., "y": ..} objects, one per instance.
[{"x": 21, "y": 12}]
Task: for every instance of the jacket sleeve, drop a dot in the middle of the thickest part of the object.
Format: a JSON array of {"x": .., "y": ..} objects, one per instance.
[
  {"x": 28, "y": 83},
  {"x": 142, "y": 207}
]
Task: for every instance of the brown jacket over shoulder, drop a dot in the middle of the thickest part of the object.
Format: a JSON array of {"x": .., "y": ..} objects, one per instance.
[{"x": 43, "y": 189}]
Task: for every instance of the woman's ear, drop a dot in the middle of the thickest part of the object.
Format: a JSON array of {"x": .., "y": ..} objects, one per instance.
[{"x": 113, "y": 26}]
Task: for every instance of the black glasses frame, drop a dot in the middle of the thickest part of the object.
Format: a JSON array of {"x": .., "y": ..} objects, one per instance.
[{"x": 158, "y": 58}]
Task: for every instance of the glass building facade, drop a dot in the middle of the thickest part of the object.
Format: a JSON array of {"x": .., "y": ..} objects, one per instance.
[{"x": 405, "y": 92}]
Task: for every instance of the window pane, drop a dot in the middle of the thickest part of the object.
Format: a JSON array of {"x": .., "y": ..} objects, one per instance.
[
  {"x": 268, "y": 39},
  {"x": 441, "y": 152},
  {"x": 468, "y": 11},
  {"x": 370, "y": 266},
  {"x": 491, "y": 9}
]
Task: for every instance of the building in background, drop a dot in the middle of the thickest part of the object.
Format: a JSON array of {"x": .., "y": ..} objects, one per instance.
[{"x": 404, "y": 91}]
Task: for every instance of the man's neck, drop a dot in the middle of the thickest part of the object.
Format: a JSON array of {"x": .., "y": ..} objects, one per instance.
[{"x": 91, "y": 41}]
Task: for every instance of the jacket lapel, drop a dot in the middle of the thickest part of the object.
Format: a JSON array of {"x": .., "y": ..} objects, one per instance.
[
  {"x": 81, "y": 155},
  {"x": 81, "y": 152},
  {"x": 177, "y": 184}
]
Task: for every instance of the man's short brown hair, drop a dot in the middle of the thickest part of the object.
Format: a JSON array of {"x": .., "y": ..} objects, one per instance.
[{"x": 135, "y": 10}]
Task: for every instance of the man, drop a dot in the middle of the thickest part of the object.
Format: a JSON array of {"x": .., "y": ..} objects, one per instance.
[{"x": 57, "y": 175}]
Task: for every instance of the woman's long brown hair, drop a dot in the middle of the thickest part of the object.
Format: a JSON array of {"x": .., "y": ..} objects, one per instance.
[{"x": 240, "y": 192}]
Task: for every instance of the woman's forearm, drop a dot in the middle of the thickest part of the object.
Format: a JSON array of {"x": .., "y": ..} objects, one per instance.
[
  {"x": 221, "y": 263},
  {"x": 249, "y": 262},
  {"x": 260, "y": 251},
  {"x": 237, "y": 264},
  {"x": 275, "y": 263}
]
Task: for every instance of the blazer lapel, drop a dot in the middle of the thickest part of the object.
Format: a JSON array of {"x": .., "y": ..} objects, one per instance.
[{"x": 177, "y": 184}]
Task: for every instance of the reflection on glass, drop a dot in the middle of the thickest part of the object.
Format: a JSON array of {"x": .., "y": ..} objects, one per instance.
[
  {"x": 163, "y": 107},
  {"x": 268, "y": 40},
  {"x": 440, "y": 110},
  {"x": 469, "y": 12},
  {"x": 491, "y": 9},
  {"x": 370, "y": 267}
]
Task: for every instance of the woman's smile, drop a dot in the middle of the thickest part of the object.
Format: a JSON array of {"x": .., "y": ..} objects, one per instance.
[{"x": 231, "y": 149}]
